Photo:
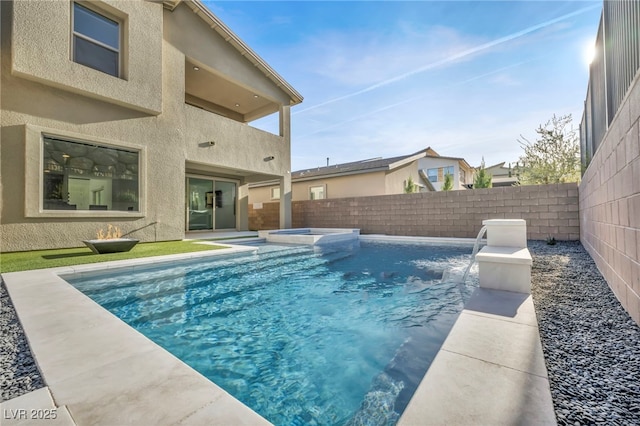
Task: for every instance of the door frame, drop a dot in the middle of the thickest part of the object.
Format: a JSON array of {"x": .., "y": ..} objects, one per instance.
[{"x": 213, "y": 179}]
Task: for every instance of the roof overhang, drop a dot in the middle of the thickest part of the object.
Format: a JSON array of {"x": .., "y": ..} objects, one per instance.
[
  {"x": 204, "y": 88},
  {"x": 338, "y": 174},
  {"x": 225, "y": 32},
  {"x": 243, "y": 175},
  {"x": 407, "y": 160}
]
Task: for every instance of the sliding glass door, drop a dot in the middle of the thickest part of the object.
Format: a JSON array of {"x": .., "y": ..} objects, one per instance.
[
  {"x": 199, "y": 206},
  {"x": 225, "y": 205},
  {"x": 211, "y": 204}
]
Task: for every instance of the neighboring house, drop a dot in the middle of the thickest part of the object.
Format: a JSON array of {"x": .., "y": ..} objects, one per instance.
[
  {"x": 610, "y": 152},
  {"x": 376, "y": 176},
  {"x": 433, "y": 168},
  {"x": 132, "y": 113},
  {"x": 501, "y": 175}
]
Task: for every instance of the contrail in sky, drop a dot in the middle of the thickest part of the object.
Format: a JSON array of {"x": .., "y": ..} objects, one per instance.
[
  {"x": 452, "y": 58},
  {"x": 459, "y": 83}
]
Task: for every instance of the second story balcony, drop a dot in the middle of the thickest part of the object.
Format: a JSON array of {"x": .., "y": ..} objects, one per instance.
[{"x": 211, "y": 91}]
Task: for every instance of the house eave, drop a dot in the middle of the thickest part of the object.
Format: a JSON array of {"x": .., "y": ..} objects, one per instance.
[
  {"x": 338, "y": 174},
  {"x": 407, "y": 160},
  {"x": 231, "y": 38}
]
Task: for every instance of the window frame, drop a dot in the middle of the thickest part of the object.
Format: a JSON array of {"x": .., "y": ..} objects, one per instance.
[
  {"x": 273, "y": 191},
  {"x": 440, "y": 173},
  {"x": 449, "y": 168},
  {"x": 34, "y": 175},
  {"x": 108, "y": 16},
  {"x": 324, "y": 191},
  {"x": 430, "y": 176}
]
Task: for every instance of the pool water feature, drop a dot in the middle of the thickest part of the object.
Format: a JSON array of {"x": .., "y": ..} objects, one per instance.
[{"x": 338, "y": 334}]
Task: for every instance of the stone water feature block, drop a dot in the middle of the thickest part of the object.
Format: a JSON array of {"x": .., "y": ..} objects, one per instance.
[
  {"x": 506, "y": 232},
  {"x": 505, "y": 268}
]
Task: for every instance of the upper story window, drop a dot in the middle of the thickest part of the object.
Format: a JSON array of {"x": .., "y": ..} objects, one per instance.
[
  {"x": 463, "y": 176},
  {"x": 437, "y": 175},
  {"x": 96, "y": 40},
  {"x": 448, "y": 170}
]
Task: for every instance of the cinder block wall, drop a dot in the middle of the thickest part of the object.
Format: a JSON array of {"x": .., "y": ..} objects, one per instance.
[
  {"x": 550, "y": 210},
  {"x": 610, "y": 204},
  {"x": 265, "y": 217}
]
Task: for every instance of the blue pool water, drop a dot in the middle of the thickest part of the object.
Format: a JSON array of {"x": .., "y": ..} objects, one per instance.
[{"x": 303, "y": 335}]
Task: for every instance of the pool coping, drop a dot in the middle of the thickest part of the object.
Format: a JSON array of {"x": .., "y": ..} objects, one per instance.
[{"x": 101, "y": 371}]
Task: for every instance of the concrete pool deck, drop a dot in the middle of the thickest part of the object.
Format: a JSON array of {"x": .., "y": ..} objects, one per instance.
[
  {"x": 100, "y": 371},
  {"x": 490, "y": 369}
]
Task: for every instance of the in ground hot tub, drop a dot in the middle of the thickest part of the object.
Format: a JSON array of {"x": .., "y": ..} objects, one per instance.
[{"x": 311, "y": 236}]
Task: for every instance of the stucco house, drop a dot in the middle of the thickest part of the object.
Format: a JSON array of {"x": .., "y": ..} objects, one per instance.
[
  {"x": 501, "y": 175},
  {"x": 133, "y": 113},
  {"x": 434, "y": 167},
  {"x": 375, "y": 176}
]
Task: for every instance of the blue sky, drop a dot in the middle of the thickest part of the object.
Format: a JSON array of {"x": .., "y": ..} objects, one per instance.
[{"x": 387, "y": 78}]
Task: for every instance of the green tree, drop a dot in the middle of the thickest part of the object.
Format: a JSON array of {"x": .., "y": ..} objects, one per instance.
[
  {"x": 554, "y": 157},
  {"x": 448, "y": 182},
  {"x": 482, "y": 178},
  {"x": 410, "y": 186}
]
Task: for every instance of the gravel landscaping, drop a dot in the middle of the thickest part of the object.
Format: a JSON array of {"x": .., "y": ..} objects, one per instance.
[{"x": 591, "y": 345}]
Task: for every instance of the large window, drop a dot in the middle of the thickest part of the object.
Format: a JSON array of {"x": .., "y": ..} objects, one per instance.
[
  {"x": 96, "y": 40},
  {"x": 85, "y": 176}
]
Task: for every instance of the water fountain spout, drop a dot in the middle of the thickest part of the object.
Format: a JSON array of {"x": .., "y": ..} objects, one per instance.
[{"x": 476, "y": 247}]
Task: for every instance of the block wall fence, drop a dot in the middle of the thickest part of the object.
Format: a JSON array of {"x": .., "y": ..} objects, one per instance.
[
  {"x": 550, "y": 210},
  {"x": 610, "y": 204}
]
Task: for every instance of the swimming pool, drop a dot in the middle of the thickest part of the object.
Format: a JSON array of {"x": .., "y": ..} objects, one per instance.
[{"x": 301, "y": 334}]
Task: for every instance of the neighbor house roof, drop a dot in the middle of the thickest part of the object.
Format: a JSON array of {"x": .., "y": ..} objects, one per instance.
[
  {"x": 357, "y": 167},
  {"x": 214, "y": 22}
]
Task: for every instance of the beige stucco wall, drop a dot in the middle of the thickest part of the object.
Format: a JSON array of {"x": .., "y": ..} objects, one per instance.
[
  {"x": 353, "y": 185},
  {"x": 610, "y": 204},
  {"x": 395, "y": 180},
  {"x": 42, "y": 43},
  {"x": 218, "y": 55},
  {"x": 169, "y": 142},
  {"x": 343, "y": 186},
  {"x": 261, "y": 194}
]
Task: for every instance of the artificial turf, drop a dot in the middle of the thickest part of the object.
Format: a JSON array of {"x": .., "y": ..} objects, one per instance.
[{"x": 40, "y": 259}]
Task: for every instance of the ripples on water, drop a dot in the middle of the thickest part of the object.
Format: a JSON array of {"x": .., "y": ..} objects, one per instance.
[{"x": 303, "y": 335}]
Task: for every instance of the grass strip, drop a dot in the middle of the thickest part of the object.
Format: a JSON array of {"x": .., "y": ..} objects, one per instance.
[{"x": 40, "y": 259}]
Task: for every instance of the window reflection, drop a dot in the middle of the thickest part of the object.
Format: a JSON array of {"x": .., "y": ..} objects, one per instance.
[{"x": 82, "y": 176}]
